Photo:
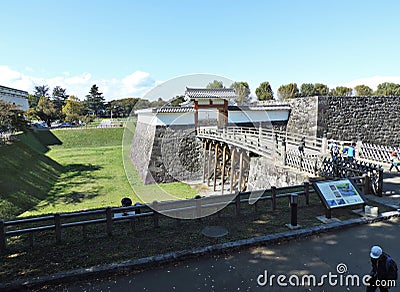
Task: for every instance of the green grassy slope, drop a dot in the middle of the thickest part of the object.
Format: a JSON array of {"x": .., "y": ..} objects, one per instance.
[
  {"x": 26, "y": 173},
  {"x": 71, "y": 170}
]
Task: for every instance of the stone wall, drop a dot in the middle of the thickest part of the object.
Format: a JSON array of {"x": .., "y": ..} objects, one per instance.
[
  {"x": 166, "y": 154},
  {"x": 264, "y": 174},
  {"x": 141, "y": 148},
  {"x": 303, "y": 115},
  {"x": 373, "y": 119}
]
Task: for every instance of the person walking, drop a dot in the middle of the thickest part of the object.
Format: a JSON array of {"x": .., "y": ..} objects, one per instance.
[
  {"x": 351, "y": 152},
  {"x": 302, "y": 145},
  {"x": 384, "y": 271},
  {"x": 394, "y": 161}
]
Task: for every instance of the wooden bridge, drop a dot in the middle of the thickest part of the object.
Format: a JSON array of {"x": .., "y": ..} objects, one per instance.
[{"x": 227, "y": 153}]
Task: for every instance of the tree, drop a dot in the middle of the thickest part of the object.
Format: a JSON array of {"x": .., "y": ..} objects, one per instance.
[
  {"x": 363, "y": 90},
  {"x": 11, "y": 117},
  {"x": 158, "y": 103},
  {"x": 33, "y": 100},
  {"x": 142, "y": 103},
  {"x": 215, "y": 84},
  {"x": 321, "y": 89},
  {"x": 341, "y": 91},
  {"x": 264, "y": 91},
  {"x": 42, "y": 90},
  {"x": 95, "y": 101},
  {"x": 59, "y": 97},
  {"x": 307, "y": 89},
  {"x": 288, "y": 91},
  {"x": 388, "y": 89},
  {"x": 178, "y": 100},
  {"x": 122, "y": 107},
  {"x": 73, "y": 110},
  {"x": 243, "y": 91},
  {"x": 46, "y": 110}
]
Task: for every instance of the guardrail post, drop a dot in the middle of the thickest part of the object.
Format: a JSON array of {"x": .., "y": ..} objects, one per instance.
[
  {"x": 109, "y": 221},
  {"x": 380, "y": 182},
  {"x": 57, "y": 225},
  {"x": 237, "y": 201},
  {"x": 273, "y": 198},
  {"x": 307, "y": 192},
  {"x": 294, "y": 200},
  {"x": 3, "y": 240},
  {"x": 155, "y": 213}
]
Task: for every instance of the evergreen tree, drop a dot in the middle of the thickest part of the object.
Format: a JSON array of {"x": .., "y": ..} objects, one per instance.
[
  {"x": 94, "y": 101},
  {"x": 264, "y": 91},
  {"x": 243, "y": 91}
]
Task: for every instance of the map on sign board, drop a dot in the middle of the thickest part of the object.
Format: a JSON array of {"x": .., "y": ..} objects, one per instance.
[{"x": 339, "y": 193}]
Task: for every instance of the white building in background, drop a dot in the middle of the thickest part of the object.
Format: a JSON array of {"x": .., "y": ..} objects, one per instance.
[
  {"x": 201, "y": 105},
  {"x": 247, "y": 115},
  {"x": 15, "y": 96}
]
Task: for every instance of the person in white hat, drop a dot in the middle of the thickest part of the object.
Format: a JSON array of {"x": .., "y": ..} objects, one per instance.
[{"x": 382, "y": 270}]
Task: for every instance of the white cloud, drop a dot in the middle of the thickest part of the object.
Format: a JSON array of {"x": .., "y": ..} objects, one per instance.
[
  {"x": 372, "y": 82},
  {"x": 136, "y": 84}
]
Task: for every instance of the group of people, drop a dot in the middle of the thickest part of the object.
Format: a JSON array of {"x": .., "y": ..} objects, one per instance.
[{"x": 340, "y": 150}]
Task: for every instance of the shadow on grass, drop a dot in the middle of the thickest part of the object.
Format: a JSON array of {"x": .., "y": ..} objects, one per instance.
[
  {"x": 28, "y": 176},
  {"x": 74, "y": 175},
  {"x": 39, "y": 140}
]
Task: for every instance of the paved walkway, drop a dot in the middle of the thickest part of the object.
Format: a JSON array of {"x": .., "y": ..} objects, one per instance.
[{"x": 316, "y": 256}]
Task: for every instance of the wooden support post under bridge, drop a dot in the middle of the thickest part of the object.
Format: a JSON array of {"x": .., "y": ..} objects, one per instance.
[
  {"x": 209, "y": 164},
  {"x": 233, "y": 154},
  {"x": 215, "y": 166},
  {"x": 204, "y": 160},
  {"x": 223, "y": 169},
  {"x": 240, "y": 171}
]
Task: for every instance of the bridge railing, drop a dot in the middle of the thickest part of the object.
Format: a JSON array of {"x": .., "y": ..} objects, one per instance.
[
  {"x": 307, "y": 162},
  {"x": 263, "y": 141},
  {"x": 342, "y": 167},
  {"x": 376, "y": 152},
  {"x": 246, "y": 138}
]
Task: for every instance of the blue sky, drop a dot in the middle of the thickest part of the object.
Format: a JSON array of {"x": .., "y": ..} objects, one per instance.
[{"x": 128, "y": 47}]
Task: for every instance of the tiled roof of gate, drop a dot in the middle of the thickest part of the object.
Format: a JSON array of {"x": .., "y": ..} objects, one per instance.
[
  {"x": 174, "y": 109},
  {"x": 210, "y": 93}
]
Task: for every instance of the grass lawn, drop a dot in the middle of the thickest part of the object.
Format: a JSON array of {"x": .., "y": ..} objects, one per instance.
[
  {"x": 71, "y": 170},
  {"x": 93, "y": 174}
]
